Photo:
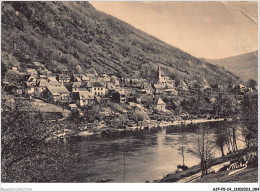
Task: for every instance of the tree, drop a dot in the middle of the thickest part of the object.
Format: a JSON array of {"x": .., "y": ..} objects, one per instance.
[
  {"x": 221, "y": 139},
  {"x": 231, "y": 136},
  {"x": 138, "y": 116},
  {"x": 28, "y": 154},
  {"x": 74, "y": 118},
  {"x": 89, "y": 113},
  {"x": 182, "y": 147},
  {"x": 251, "y": 83},
  {"x": 249, "y": 117},
  {"x": 24, "y": 135},
  {"x": 203, "y": 148}
]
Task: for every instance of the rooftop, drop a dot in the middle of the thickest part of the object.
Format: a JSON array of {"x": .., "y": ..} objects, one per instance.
[{"x": 58, "y": 90}]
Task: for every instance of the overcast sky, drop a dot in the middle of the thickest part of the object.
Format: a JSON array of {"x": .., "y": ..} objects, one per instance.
[{"x": 204, "y": 29}]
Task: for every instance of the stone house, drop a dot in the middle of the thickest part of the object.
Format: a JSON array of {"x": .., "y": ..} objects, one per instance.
[
  {"x": 119, "y": 96},
  {"x": 83, "y": 98},
  {"x": 97, "y": 89},
  {"x": 56, "y": 94}
]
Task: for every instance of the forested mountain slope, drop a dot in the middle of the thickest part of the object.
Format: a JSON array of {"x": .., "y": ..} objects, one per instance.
[
  {"x": 245, "y": 66},
  {"x": 74, "y": 36}
]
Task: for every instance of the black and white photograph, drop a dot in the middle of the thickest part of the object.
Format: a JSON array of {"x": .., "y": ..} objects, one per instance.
[{"x": 129, "y": 92}]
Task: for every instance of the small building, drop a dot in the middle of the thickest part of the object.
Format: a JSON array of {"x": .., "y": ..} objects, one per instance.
[
  {"x": 30, "y": 84},
  {"x": 31, "y": 71},
  {"x": 170, "y": 92},
  {"x": 106, "y": 77},
  {"x": 63, "y": 78},
  {"x": 90, "y": 77},
  {"x": 84, "y": 78},
  {"x": 119, "y": 96},
  {"x": 115, "y": 80},
  {"x": 73, "y": 106},
  {"x": 76, "y": 78},
  {"x": 37, "y": 64},
  {"x": 56, "y": 93},
  {"x": 76, "y": 86},
  {"x": 13, "y": 89},
  {"x": 242, "y": 88},
  {"x": 111, "y": 89},
  {"x": 158, "y": 88},
  {"x": 43, "y": 77},
  {"x": 160, "y": 105}
]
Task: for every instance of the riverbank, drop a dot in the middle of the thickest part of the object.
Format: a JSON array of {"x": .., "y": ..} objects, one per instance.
[
  {"x": 248, "y": 175},
  {"x": 193, "y": 121},
  {"x": 193, "y": 174},
  {"x": 152, "y": 125}
]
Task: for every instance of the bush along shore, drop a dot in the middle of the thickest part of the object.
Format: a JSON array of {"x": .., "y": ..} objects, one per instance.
[{"x": 236, "y": 161}]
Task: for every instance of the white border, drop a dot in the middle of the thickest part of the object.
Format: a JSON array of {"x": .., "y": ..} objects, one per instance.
[{"x": 131, "y": 186}]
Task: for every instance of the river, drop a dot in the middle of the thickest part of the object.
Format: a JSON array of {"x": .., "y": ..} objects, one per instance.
[{"x": 140, "y": 157}]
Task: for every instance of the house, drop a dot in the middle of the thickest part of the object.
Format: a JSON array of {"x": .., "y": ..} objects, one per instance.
[
  {"x": 38, "y": 64},
  {"x": 83, "y": 98},
  {"x": 146, "y": 88},
  {"x": 30, "y": 79},
  {"x": 52, "y": 81},
  {"x": 111, "y": 89},
  {"x": 115, "y": 80},
  {"x": 30, "y": 84},
  {"x": 160, "y": 105},
  {"x": 137, "y": 82},
  {"x": 31, "y": 71},
  {"x": 76, "y": 86},
  {"x": 158, "y": 88},
  {"x": 98, "y": 89},
  {"x": 63, "y": 78},
  {"x": 41, "y": 85},
  {"x": 136, "y": 73},
  {"x": 106, "y": 77},
  {"x": 76, "y": 78},
  {"x": 242, "y": 88},
  {"x": 13, "y": 89},
  {"x": 84, "y": 78},
  {"x": 43, "y": 77},
  {"x": 182, "y": 88},
  {"x": 170, "y": 92},
  {"x": 90, "y": 77},
  {"x": 56, "y": 93},
  {"x": 119, "y": 96},
  {"x": 130, "y": 91},
  {"x": 73, "y": 106}
]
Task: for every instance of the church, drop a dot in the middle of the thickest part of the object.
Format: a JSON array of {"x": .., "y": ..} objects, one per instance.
[{"x": 163, "y": 82}]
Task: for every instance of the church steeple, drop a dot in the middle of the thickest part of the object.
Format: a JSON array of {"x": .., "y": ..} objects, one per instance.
[{"x": 159, "y": 74}]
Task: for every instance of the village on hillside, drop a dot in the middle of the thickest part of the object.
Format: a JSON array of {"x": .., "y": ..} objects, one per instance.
[
  {"x": 106, "y": 97},
  {"x": 88, "y": 96}
]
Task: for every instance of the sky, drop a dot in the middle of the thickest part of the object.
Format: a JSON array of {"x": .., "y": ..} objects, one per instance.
[{"x": 209, "y": 30}]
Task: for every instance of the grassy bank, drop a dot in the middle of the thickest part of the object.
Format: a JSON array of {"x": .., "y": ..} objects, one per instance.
[
  {"x": 174, "y": 177},
  {"x": 248, "y": 175}
]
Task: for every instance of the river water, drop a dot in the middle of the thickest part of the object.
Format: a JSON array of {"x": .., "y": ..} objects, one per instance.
[{"x": 140, "y": 157}]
